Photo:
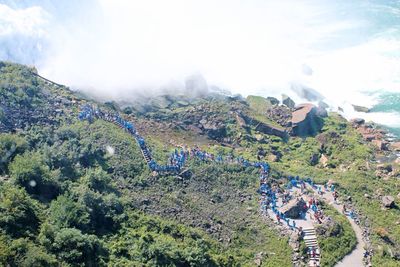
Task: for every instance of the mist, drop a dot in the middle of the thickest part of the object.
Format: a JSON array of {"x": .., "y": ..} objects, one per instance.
[{"x": 121, "y": 49}]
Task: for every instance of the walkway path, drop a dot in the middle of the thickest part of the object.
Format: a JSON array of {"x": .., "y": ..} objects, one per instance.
[
  {"x": 355, "y": 258},
  {"x": 310, "y": 236}
]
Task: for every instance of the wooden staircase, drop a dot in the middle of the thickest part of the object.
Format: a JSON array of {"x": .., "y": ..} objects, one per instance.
[{"x": 310, "y": 239}]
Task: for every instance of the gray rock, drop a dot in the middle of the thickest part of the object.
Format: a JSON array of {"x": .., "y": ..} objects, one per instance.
[
  {"x": 388, "y": 201},
  {"x": 273, "y": 100},
  {"x": 360, "y": 109},
  {"x": 287, "y": 101}
]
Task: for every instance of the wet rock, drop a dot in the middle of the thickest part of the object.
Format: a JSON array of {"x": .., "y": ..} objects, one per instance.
[
  {"x": 287, "y": 101},
  {"x": 305, "y": 120},
  {"x": 273, "y": 100},
  {"x": 357, "y": 122},
  {"x": 323, "y": 105},
  {"x": 360, "y": 109},
  {"x": 321, "y": 112},
  {"x": 387, "y": 201}
]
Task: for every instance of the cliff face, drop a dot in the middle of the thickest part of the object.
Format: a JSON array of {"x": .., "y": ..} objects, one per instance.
[{"x": 306, "y": 120}]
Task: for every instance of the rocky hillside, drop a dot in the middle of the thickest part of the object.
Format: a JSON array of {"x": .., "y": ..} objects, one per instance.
[{"x": 79, "y": 194}]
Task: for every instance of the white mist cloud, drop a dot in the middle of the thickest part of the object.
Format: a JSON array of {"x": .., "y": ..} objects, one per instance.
[
  {"x": 25, "y": 25},
  {"x": 122, "y": 48}
]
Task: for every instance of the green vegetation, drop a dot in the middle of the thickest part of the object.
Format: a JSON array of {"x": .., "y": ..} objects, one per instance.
[{"x": 336, "y": 240}]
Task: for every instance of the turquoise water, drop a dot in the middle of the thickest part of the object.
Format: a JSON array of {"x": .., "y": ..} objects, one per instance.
[{"x": 389, "y": 102}]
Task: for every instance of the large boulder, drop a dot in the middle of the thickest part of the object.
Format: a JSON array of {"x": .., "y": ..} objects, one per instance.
[
  {"x": 388, "y": 201},
  {"x": 273, "y": 100},
  {"x": 360, "y": 109},
  {"x": 287, "y": 101},
  {"x": 305, "y": 120},
  {"x": 270, "y": 129},
  {"x": 295, "y": 208}
]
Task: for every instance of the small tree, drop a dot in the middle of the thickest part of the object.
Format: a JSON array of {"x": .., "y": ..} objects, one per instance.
[
  {"x": 31, "y": 172},
  {"x": 19, "y": 214}
]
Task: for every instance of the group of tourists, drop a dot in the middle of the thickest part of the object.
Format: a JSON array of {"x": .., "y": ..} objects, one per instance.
[{"x": 177, "y": 159}]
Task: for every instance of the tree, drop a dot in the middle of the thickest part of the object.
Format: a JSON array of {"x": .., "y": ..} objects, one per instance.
[
  {"x": 10, "y": 145},
  {"x": 65, "y": 213},
  {"x": 24, "y": 253},
  {"x": 19, "y": 214},
  {"x": 105, "y": 209},
  {"x": 31, "y": 172},
  {"x": 75, "y": 248},
  {"x": 98, "y": 180}
]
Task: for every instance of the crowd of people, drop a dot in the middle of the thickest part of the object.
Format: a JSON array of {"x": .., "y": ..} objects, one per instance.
[{"x": 177, "y": 159}]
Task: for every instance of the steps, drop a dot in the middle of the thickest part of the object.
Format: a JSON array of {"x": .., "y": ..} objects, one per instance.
[
  {"x": 310, "y": 239},
  {"x": 146, "y": 156}
]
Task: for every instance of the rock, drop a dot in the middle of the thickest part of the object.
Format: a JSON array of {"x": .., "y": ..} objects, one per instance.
[
  {"x": 259, "y": 257},
  {"x": 381, "y": 145},
  {"x": 367, "y": 196},
  {"x": 305, "y": 120},
  {"x": 240, "y": 120},
  {"x": 270, "y": 129},
  {"x": 294, "y": 208},
  {"x": 360, "y": 109},
  {"x": 395, "y": 146},
  {"x": 388, "y": 201},
  {"x": 323, "y": 160},
  {"x": 314, "y": 159},
  {"x": 321, "y": 112},
  {"x": 398, "y": 196},
  {"x": 323, "y": 105},
  {"x": 259, "y": 138},
  {"x": 257, "y": 262},
  {"x": 273, "y": 100},
  {"x": 287, "y": 101},
  {"x": 385, "y": 167},
  {"x": 273, "y": 158},
  {"x": 280, "y": 114},
  {"x": 357, "y": 122}
]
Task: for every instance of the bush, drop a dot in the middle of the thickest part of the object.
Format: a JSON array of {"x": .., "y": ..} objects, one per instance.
[
  {"x": 19, "y": 213},
  {"x": 31, "y": 172},
  {"x": 10, "y": 145},
  {"x": 73, "y": 247}
]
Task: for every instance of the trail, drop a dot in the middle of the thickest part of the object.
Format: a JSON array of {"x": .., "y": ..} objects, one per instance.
[{"x": 355, "y": 258}]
